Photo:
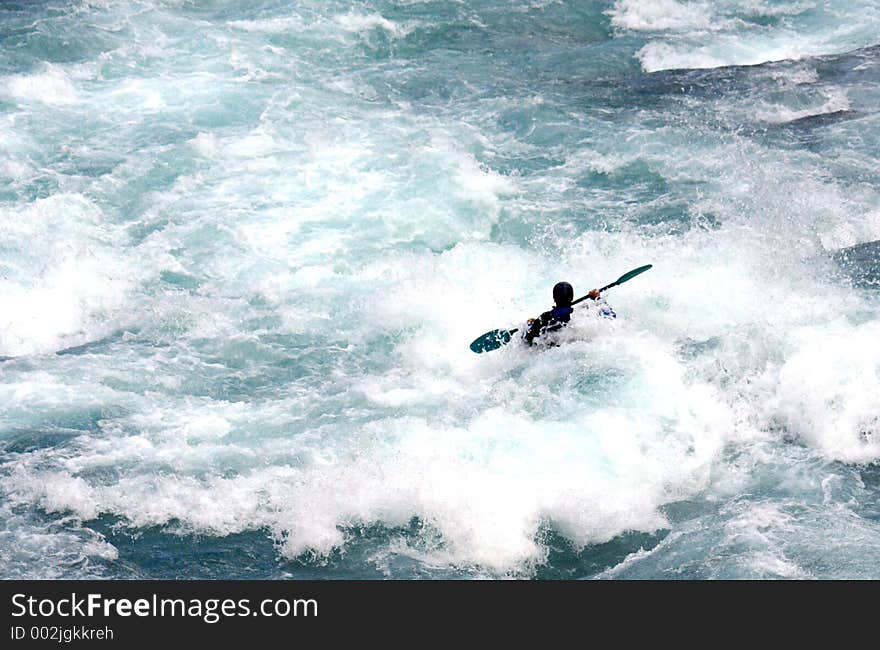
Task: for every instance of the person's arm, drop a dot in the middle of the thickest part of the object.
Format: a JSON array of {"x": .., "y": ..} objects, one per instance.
[{"x": 535, "y": 325}]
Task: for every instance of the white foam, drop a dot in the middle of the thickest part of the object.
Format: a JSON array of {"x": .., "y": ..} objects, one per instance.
[
  {"x": 763, "y": 528},
  {"x": 662, "y": 15},
  {"x": 71, "y": 277},
  {"x": 140, "y": 94},
  {"x": 763, "y": 8},
  {"x": 269, "y": 25},
  {"x": 52, "y": 86},
  {"x": 36, "y": 397},
  {"x": 697, "y": 35},
  {"x": 724, "y": 51},
  {"x": 33, "y": 550},
  {"x": 829, "y": 391},
  {"x": 629, "y": 561},
  {"x": 486, "y": 484},
  {"x": 775, "y": 114},
  {"x": 15, "y": 169},
  {"x": 207, "y": 144},
  {"x": 800, "y": 76},
  {"x": 657, "y": 56},
  {"x": 360, "y": 23}
]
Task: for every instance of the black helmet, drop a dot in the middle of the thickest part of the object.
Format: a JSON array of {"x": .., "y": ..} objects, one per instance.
[{"x": 563, "y": 294}]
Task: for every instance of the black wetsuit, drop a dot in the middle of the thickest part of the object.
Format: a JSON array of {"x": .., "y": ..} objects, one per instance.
[{"x": 549, "y": 321}]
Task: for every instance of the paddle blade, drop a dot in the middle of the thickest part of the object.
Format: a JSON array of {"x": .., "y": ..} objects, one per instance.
[
  {"x": 491, "y": 341},
  {"x": 629, "y": 276}
]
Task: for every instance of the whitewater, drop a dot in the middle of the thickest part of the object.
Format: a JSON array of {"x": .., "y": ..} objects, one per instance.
[{"x": 244, "y": 247}]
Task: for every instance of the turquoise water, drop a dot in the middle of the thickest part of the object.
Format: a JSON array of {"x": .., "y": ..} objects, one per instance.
[{"x": 244, "y": 247}]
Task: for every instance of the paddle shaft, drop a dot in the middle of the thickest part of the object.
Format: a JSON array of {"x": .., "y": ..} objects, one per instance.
[{"x": 607, "y": 286}]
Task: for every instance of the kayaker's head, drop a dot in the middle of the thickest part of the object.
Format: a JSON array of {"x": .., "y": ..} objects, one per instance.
[{"x": 563, "y": 294}]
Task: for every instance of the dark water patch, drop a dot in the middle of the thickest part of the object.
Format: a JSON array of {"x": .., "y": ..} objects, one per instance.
[
  {"x": 65, "y": 418},
  {"x": 526, "y": 37},
  {"x": 135, "y": 196},
  {"x": 812, "y": 121},
  {"x": 457, "y": 36},
  {"x": 99, "y": 346},
  {"x": 56, "y": 40},
  {"x": 693, "y": 348},
  {"x": 9, "y": 7},
  {"x": 369, "y": 552},
  {"x": 635, "y": 176},
  {"x": 237, "y": 111},
  {"x": 665, "y": 216},
  {"x": 138, "y": 232},
  {"x": 565, "y": 562},
  {"x": 494, "y": 52},
  {"x": 513, "y": 229},
  {"x": 366, "y": 555},
  {"x": 862, "y": 64},
  {"x": 157, "y": 134},
  {"x": 87, "y": 162},
  {"x": 256, "y": 368},
  {"x": 870, "y": 477},
  {"x": 23, "y": 363},
  {"x": 323, "y": 354},
  {"x": 851, "y": 66},
  {"x": 39, "y": 546},
  {"x": 681, "y": 92},
  {"x": 635, "y": 195},
  {"x": 808, "y": 133},
  {"x": 861, "y": 264},
  {"x": 157, "y": 552},
  {"x": 724, "y": 98},
  {"x": 180, "y": 280},
  {"x": 524, "y": 165},
  {"x": 23, "y": 441},
  {"x": 41, "y": 186},
  {"x": 440, "y": 83}
]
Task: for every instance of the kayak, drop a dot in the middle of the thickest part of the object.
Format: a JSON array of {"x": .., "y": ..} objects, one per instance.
[
  {"x": 552, "y": 338},
  {"x": 498, "y": 338}
]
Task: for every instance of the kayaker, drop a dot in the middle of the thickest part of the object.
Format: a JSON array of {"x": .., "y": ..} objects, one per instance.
[{"x": 559, "y": 316}]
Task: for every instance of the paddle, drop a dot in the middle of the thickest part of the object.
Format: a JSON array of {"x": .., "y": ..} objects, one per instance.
[{"x": 496, "y": 338}]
